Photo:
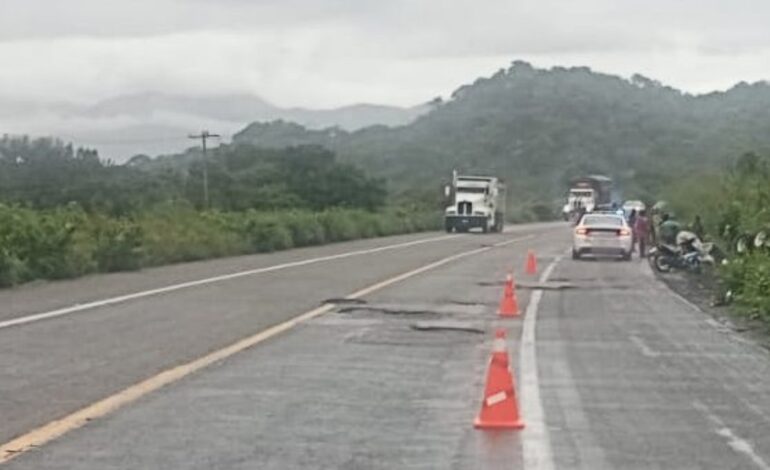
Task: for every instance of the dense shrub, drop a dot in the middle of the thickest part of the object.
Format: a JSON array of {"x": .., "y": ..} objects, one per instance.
[
  {"x": 118, "y": 244},
  {"x": 734, "y": 207},
  {"x": 68, "y": 242}
]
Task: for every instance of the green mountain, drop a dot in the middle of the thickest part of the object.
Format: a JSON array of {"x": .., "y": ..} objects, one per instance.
[{"x": 538, "y": 127}]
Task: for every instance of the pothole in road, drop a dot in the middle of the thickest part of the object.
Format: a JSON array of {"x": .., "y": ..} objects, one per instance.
[
  {"x": 561, "y": 283},
  {"x": 546, "y": 285},
  {"x": 344, "y": 301},
  {"x": 386, "y": 311},
  {"x": 420, "y": 335},
  {"x": 468, "y": 303},
  {"x": 446, "y": 326},
  {"x": 490, "y": 283}
]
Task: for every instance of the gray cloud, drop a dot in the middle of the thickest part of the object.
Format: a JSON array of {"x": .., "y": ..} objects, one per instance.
[{"x": 332, "y": 52}]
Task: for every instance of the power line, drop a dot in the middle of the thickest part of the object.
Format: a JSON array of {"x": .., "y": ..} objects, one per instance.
[{"x": 204, "y": 136}]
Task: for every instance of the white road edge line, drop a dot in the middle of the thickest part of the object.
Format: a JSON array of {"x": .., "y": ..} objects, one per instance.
[
  {"x": 736, "y": 443},
  {"x": 535, "y": 441},
  {"x": 706, "y": 316},
  {"x": 210, "y": 280},
  {"x": 55, "y": 429}
]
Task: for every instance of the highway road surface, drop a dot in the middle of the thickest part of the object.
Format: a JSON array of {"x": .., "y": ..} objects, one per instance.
[{"x": 372, "y": 355}]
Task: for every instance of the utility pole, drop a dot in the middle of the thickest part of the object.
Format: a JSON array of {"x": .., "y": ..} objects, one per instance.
[{"x": 203, "y": 136}]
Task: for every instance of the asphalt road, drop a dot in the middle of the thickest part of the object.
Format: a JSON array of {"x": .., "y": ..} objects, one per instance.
[{"x": 614, "y": 370}]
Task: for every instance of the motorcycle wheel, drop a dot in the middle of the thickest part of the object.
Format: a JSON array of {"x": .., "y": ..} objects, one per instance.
[
  {"x": 661, "y": 263},
  {"x": 695, "y": 267}
]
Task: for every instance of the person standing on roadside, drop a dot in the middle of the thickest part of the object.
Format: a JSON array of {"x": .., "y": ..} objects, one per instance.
[
  {"x": 631, "y": 223},
  {"x": 642, "y": 232}
]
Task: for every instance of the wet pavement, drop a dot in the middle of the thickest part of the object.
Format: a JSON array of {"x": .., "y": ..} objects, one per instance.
[{"x": 630, "y": 376}]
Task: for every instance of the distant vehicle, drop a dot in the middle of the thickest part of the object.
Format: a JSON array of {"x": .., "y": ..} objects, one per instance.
[
  {"x": 633, "y": 205},
  {"x": 477, "y": 202},
  {"x": 602, "y": 234},
  {"x": 605, "y": 209},
  {"x": 587, "y": 192}
]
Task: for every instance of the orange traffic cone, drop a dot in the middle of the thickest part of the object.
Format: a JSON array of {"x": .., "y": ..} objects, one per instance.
[
  {"x": 531, "y": 262},
  {"x": 509, "y": 305},
  {"x": 499, "y": 410}
]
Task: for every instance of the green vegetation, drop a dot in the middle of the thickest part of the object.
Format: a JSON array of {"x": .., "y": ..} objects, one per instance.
[
  {"x": 537, "y": 128},
  {"x": 280, "y": 185},
  {"x": 735, "y": 208},
  {"x": 65, "y": 213},
  {"x": 67, "y": 242},
  {"x": 46, "y": 173}
]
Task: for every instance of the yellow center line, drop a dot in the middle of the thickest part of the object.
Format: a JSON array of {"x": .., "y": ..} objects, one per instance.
[{"x": 55, "y": 429}]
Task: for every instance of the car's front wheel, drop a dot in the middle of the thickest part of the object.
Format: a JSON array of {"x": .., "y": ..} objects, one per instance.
[{"x": 575, "y": 254}]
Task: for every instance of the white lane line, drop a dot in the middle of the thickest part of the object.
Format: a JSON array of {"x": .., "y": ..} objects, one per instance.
[
  {"x": 643, "y": 347},
  {"x": 210, "y": 280},
  {"x": 55, "y": 429},
  {"x": 736, "y": 443},
  {"x": 438, "y": 263},
  {"x": 536, "y": 443}
]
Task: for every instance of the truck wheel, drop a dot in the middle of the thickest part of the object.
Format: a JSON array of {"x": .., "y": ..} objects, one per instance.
[{"x": 499, "y": 222}]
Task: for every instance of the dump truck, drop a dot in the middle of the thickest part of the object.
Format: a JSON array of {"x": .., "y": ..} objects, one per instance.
[{"x": 587, "y": 192}]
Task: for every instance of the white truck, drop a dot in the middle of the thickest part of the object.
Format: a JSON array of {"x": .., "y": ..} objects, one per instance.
[
  {"x": 476, "y": 202},
  {"x": 587, "y": 193}
]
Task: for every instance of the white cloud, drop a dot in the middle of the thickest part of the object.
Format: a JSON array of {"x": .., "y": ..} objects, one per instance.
[{"x": 330, "y": 52}]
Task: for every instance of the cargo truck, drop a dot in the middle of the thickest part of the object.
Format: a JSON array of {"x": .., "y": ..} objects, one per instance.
[
  {"x": 475, "y": 202},
  {"x": 587, "y": 192}
]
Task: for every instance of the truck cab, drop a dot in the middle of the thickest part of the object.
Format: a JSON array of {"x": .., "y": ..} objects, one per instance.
[
  {"x": 586, "y": 194},
  {"x": 477, "y": 202},
  {"x": 582, "y": 197}
]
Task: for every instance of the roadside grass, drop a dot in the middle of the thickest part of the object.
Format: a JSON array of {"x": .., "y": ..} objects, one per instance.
[
  {"x": 69, "y": 242},
  {"x": 735, "y": 208}
]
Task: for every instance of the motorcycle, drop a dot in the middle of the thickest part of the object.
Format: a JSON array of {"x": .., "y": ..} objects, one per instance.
[{"x": 689, "y": 254}]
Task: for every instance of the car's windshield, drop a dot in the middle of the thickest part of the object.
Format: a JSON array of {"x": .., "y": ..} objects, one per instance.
[
  {"x": 604, "y": 220},
  {"x": 473, "y": 190}
]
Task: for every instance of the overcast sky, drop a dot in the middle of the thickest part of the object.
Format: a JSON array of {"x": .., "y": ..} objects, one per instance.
[{"x": 320, "y": 53}]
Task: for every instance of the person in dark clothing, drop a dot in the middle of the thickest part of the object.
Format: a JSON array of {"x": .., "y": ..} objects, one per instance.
[
  {"x": 631, "y": 222},
  {"x": 668, "y": 230},
  {"x": 642, "y": 232},
  {"x": 632, "y": 217}
]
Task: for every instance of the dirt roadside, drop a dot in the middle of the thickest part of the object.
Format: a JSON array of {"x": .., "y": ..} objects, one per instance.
[{"x": 704, "y": 290}]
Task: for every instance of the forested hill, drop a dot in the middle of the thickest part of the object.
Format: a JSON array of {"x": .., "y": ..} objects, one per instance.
[{"x": 538, "y": 127}]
